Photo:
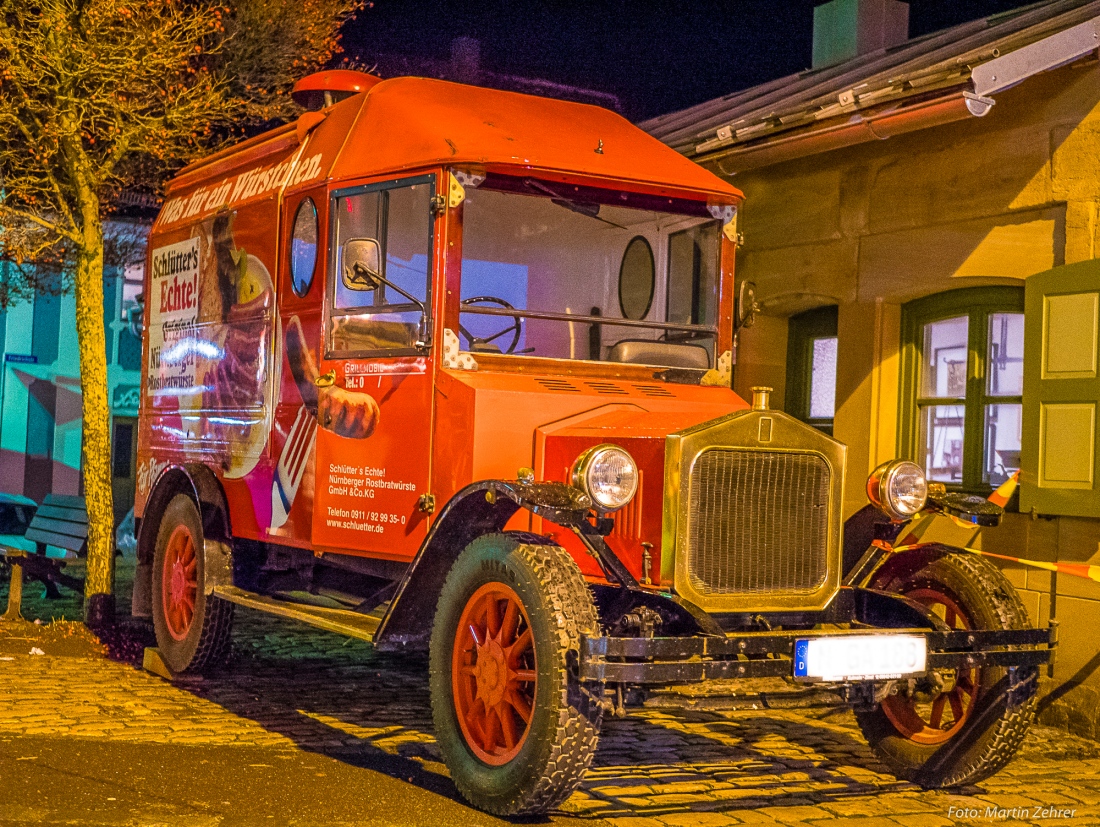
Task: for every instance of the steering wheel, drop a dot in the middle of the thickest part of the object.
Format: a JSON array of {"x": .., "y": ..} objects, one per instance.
[{"x": 515, "y": 328}]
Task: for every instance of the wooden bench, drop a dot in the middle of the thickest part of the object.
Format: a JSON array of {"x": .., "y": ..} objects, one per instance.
[{"x": 61, "y": 521}]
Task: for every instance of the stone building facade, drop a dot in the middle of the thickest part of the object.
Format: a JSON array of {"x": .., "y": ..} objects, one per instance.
[{"x": 900, "y": 189}]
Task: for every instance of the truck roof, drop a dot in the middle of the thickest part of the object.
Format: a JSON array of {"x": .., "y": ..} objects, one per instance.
[{"x": 410, "y": 123}]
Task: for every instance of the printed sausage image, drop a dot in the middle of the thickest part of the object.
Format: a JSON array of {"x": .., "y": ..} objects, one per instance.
[
  {"x": 302, "y": 366},
  {"x": 350, "y": 414},
  {"x": 347, "y": 413},
  {"x": 227, "y": 344}
]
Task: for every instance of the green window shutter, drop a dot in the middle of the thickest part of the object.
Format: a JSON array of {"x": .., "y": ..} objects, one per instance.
[{"x": 1059, "y": 473}]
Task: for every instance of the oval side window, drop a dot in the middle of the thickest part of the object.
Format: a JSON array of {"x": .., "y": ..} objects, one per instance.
[
  {"x": 303, "y": 247},
  {"x": 637, "y": 275}
]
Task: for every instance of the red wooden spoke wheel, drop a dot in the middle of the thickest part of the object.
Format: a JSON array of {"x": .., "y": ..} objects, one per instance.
[
  {"x": 938, "y": 719},
  {"x": 493, "y": 673},
  {"x": 192, "y": 626},
  {"x": 952, "y": 728},
  {"x": 514, "y": 726},
  {"x": 179, "y": 582}
]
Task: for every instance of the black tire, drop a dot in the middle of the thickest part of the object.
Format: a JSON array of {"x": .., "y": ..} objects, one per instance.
[
  {"x": 981, "y": 741},
  {"x": 200, "y": 639},
  {"x": 557, "y": 746}
]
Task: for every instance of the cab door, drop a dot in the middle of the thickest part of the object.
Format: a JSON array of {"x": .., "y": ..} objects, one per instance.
[{"x": 375, "y": 383}]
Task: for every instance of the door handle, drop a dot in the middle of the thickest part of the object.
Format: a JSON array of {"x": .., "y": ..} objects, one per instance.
[{"x": 326, "y": 380}]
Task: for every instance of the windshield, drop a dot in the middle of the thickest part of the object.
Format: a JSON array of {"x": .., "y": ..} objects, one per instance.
[{"x": 566, "y": 272}]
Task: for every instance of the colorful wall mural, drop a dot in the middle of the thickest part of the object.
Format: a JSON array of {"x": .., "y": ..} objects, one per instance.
[{"x": 40, "y": 397}]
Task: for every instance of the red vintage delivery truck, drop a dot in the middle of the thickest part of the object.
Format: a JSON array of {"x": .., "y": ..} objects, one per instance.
[{"x": 448, "y": 368}]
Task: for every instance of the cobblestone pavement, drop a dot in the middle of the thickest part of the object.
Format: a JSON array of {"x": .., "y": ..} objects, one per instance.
[{"x": 292, "y": 688}]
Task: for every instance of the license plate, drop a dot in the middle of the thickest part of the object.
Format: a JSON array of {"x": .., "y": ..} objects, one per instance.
[{"x": 859, "y": 657}]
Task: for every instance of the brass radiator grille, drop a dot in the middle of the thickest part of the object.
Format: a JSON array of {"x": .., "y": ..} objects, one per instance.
[{"x": 758, "y": 522}]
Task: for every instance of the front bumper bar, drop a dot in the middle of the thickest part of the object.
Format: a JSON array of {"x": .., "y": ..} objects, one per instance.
[{"x": 665, "y": 660}]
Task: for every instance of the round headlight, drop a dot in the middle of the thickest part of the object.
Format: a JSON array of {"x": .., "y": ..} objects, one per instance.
[
  {"x": 898, "y": 488},
  {"x": 608, "y": 475}
]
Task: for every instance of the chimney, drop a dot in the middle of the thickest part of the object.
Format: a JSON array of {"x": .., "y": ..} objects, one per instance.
[
  {"x": 466, "y": 59},
  {"x": 844, "y": 29}
]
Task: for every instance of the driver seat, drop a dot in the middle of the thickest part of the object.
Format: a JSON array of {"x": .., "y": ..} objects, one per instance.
[{"x": 663, "y": 354}]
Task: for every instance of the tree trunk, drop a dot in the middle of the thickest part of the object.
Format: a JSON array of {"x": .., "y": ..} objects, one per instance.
[{"x": 98, "y": 588}]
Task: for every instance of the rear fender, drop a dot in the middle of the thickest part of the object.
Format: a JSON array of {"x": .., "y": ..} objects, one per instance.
[
  {"x": 201, "y": 484},
  {"x": 482, "y": 508}
]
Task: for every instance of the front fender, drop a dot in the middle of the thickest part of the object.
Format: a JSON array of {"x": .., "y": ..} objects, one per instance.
[
  {"x": 481, "y": 508},
  {"x": 900, "y": 564}
]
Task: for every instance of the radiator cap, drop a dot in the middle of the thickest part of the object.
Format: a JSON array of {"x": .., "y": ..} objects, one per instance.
[{"x": 760, "y": 395}]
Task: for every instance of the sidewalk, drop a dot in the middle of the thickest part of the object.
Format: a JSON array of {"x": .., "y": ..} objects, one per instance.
[{"x": 307, "y": 728}]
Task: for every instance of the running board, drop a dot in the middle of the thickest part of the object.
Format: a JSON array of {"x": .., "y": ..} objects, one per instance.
[{"x": 341, "y": 621}]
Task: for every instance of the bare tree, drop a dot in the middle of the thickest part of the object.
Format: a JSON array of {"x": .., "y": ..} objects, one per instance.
[{"x": 97, "y": 96}]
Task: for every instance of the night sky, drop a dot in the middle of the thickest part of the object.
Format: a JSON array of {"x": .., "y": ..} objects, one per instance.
[{"x": 657, "y": 57}]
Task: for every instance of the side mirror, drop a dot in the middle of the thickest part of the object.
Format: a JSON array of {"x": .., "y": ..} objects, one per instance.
[
  {"x": 362, "y": 264},
  {"x": 745, "y": 308}
]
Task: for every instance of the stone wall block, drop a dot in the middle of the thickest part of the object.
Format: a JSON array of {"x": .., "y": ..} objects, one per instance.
[
  {"x": 866, "y": 392},
  {"x": 909, "y": 264},
  {"x": 1016, "y": 575},
  {"x": 885, "y": 384},
  {"x": 1075, "y": 709},
  {"x": 1079, "y": 721},
  {"x": 800, "y": 278},
  {"x": 1055, "y": 715},
  {"x": 1010, "y": 537},
  {"x": 1072, "y": 586},
  {"x": 965, "y": 171},
  {"x": 1080, "y": 231},
  {"x": 1041, "y": 533},
  {"x": 1078, "y": 644},
  {"x": 1079, "y": 540},
  {"x": 1038, "y": 579},
  {"x": 855, "y": 200},
  {"x": 762, "y": 358},
  {"x": 799, "y": 206},
  {"x": 1031, "y": 601},
  {"x": 1073, "y": 149}
]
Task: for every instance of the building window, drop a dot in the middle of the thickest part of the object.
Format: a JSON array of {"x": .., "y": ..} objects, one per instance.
[
  {"x": 123, "y": 448},
  {"x": 811, "y": 367},
  {"x": 962, "y": 385},
  {"x": 132, "y": 300}
]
